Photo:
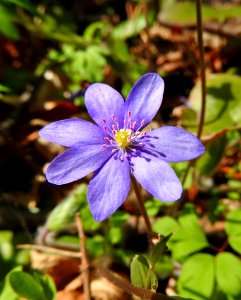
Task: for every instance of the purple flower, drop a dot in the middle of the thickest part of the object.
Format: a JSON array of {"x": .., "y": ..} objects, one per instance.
[{"x": 119, "y": 145}]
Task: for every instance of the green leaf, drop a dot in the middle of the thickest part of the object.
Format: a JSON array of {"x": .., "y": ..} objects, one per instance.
[
  {"x": 7, "y": 292},
  {"x": 153, "y": 207},
  {"x": 94, "y": 28},
  {"x": 6, "y": 246},
  {"x": 139, "y": 273},
  {"x": 116, "y": 222},
  {"x": 46, "y": 283},
  {"x": 233, "y": 229},
  {"x": 165, "y": 266},
  {"x": 67, "y": 240},
  {"x": 129, "y": 28},
  {"x": 197, "y": 278},
  {"x": 189, "y": 236},
  {"x": 158, "y": 250},
  {"x": 180, "y": 170},
  {"x": 7, "y": 27},
  {"x": 84, "y": 64},
  {"x": 223, "y": 103},
  {"x": 233, "y": 222},
  {"x": 88, "y": 222},
  {"x": 185, "y": 12},
  {"x": 210, "y": 160},
  {"x": 228, "y": 273},
  {"x": 96, "y": 245},
  {"x": 121, "y": 57},
  {"x": 235, "y": 242},
  {"x": 6, "y": 236},
  {"x": 26, "y": 286},
  {"x": 165, "y": 225},
  {"x": 4, "y": 89},
  {"x": 118, "y": 218},
  {"x": 64, "y": 214},
  {"x": 22, "y": 3},
  {"x": 22, "y": 257},
  {"x": 115, "y": 235}
]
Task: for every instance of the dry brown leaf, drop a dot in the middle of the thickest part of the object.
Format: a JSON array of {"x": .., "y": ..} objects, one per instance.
[
  {"x": 103, "y": 289},
  {"x": 61, "y": 269}
]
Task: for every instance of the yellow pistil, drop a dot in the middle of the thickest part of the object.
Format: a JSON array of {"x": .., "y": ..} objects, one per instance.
[{"x": 122, "y": 138}]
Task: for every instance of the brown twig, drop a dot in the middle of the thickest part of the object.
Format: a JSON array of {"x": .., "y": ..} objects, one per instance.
[
  {"x": 202, "y": 65},
  {"x": 131, "y": 289},
  {"x": 49, "y": 249},
  {"x": 84, "y": 261},
  {"x": 213, "y": 27}
]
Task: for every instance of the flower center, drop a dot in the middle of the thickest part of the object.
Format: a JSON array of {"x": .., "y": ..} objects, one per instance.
[
  {"x": 126, "y": 140},
  {"x": 122, "y": 138}
]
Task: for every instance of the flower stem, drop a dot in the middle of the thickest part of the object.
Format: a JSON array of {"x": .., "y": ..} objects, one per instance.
[
  {"x": 141, "y": 206},
  {"x": 203, "y": 77},
  {"x": 202, "y": 65}
]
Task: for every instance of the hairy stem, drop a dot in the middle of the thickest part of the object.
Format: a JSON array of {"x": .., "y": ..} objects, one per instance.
[
  {"x": 202, "y": 65},
  {"x": 202, "y": 75},
  {"x": 141, "y": 206},
  {"x": 190, "y": 164}
]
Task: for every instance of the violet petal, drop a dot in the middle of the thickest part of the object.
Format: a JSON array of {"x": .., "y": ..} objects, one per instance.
[
  {"x": 109, "y": 188},
  {"x": 157, "y": 177},
  {"x": 103, "y": 102},
  {"x": 71, "y": 132},
  {"x": 172, "y": 144},
  {"x": 145, "y": 98},
  {"x": 76, "y": 163}
]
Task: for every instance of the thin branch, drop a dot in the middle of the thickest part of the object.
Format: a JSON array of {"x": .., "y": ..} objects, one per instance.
[
  {"x": 202, "y": 65},
  {"x": 131, "y": 289},
  {"x": 203, "y": 78},
  {"x": 84, "y": 262},
  {"x": 50, "y": 250},
  {"x": 213, "y": 27}
]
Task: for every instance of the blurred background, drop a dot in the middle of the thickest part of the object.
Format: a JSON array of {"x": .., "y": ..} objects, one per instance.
[{"x": 50, "y": 51}]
